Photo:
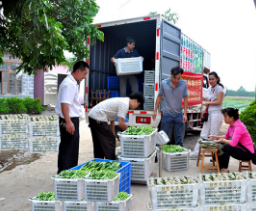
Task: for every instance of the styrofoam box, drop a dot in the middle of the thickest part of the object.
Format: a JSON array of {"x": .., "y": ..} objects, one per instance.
[
  {"x": 178, "y": 195},
  {"x": 101, "y": 190},
  {"x": 13, "y": 127},
  {"x": 233, "y": 207},
  {"x": 44, "y": 128},
  {"x": 68, "y": 189},
  {"x": 79, "y": 206},
  {"x": 149, "y": 207},
  {"x": 141, "y": 168},
  {"x": 221, "y": 192},
  {"x": 45, "y": 205},
  {"x": 251, "y": 188},
  {"x": 125, "y": 205},
  {"x": 137, "y": 146},
  {"x": 129, "y": 66},
  {"x": 44, "y": 144},
  {"x": 149, "y": 77},
  {"x": 14, "y": 142},
  {"x": 149, "y": 90},
  {"x": 178, "y": 161}
]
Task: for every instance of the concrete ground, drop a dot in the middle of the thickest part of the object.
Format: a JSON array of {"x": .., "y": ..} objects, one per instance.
[{"x": 25, "y": 181}]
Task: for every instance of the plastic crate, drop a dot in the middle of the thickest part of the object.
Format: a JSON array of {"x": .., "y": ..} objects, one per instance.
[
  {"x": 115, "y": 205},
  {"x": 101, "y": 190},
  {"x": 222, "y": 192},
  {"x": 50, "y": 128},
  {"x": 149, "y": 90},
  {"x": 126, "y": 119},
  {"x": 44, "y": 144},
  {"x": 138, "y": 146},
  {"x": 13, "y": 142},
  {"x": 251, "y": 187},
  {"x": 149, "y": 104},
  {"x": 114, "y": 94},
  {"x": 13, "y": 127},
  {"x": 149, "y": 77},
  {"x": 45, "y": 205},
  {"x": 226, "y": 207},
  {"x": 251, "y": 206},
  {"x": 178, "y": 195},
  {"x": 141, "y": 168},
  {"x": 113, "y": 82},
  {"x": 125, "y": 171},
  {"x": 68, "y": 189},
  {"x": 129, "y": 66},
  {"x": 79, "y": 206},
  {"x": 178, "y": 161},
  {"x": 149, "y": 207}
]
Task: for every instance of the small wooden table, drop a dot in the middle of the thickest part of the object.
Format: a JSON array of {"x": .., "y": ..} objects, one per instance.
[{"x": 213, "y": 151}]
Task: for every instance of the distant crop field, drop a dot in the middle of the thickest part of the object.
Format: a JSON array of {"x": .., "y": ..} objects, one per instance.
[{"x": 237, "y": 102}]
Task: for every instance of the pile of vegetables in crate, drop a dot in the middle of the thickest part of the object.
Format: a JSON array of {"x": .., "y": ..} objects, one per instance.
[
  {"x": 122, "y": 196},
  {"x": 250, "y": 175},
  {"x": 172, "y": 180},
  {"x": 173, "y": 148},
  {"x": 50, "y": 196},
  {"x": 220, "y": 177},
  {"x": 44, "y": 118},
  {"x": 140, "y": 130},
  {"x": 13, "y": 117}
]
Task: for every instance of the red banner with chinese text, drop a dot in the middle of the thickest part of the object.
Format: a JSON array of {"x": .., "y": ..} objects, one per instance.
[{"x": 195, "y": 88}]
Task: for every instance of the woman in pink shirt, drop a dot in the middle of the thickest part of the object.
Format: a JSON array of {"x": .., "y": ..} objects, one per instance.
[{"x": 235, "y": 135}]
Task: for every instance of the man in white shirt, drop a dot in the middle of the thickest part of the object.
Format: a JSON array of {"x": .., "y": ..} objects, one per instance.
[
  {"x": 103, "y": 135},
  {"x": 69, "y": 109}
]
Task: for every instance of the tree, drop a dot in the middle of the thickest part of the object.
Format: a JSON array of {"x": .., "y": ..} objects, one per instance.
[
  {"x": 241, "y": 88},
  {"x": 39, "y": 31},
  {"x": 172, "y": 17}
]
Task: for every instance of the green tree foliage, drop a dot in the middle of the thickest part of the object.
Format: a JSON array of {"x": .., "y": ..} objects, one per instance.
[
  {"x": 172, "y": 17},
  {"x": 240, "y": 92},
  {"x": 33, "y": 106},
  {"x": 39, "y": 31},
  {"x": 248, "y": 117}
]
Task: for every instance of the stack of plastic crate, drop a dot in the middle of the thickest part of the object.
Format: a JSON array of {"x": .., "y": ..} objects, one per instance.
[
  {"x": 13, "y": 132},
  {"x": 140, "y": 151},
  {"x": 44, "y": 134},
  {"x": 149, "y": 89}
]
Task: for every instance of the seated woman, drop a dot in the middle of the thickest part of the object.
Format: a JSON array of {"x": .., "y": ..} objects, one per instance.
[{"x": 236, "y": 134}]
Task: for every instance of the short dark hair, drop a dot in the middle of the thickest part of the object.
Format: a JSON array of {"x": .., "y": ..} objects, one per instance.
[
  {"x": 137, "y": 96},
  {"x": 176, "y": 70},
  {"x": 81, "y": 65},
  {"x": 231, "y": 112},
  {"x": 130, "y": 40}
]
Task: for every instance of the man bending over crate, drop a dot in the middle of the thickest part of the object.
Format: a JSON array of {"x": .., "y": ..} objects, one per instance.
[
  {"x": 69, "y": 109},
  {"x": 103, "y": 134},
  {"x": 127, "y": 52}
]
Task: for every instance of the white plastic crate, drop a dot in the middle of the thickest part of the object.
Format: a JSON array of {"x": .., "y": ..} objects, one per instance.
[
  {"x": 178, "y": 195},
  {"x": 45, "y": 205},
  {"x": 13, "y": 127},
  {"x": 149, "y": 90},
  {"x": 79, "y": 206},
  {"x": 251, "y": 206},
  {"x": 101, "y": 190},
  {"x": 50, "y": 128},
  {"x": 149, "y": 207},
  {"x": 225, "y": 207},
  {"x": 44, "y": 144},
  {"x": 13, "y": 142},
  {"x": 221, "y": 192},
  {"x": 149, "y": 103},
  {"x": 68, "y": 189},
  {"x": 115, "y": 205},
  {"x": 251, "y": 187},
  {"x": 141, "y": 168},
  {"x": 138, "y": 146},
  {"x": 178, "y": 161},
  {"x": 129, "y": 66},
  {"x": 149, "y": 77}
]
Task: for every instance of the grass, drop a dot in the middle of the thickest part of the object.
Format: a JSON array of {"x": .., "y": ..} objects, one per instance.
[{"x": 237, "y": 102}]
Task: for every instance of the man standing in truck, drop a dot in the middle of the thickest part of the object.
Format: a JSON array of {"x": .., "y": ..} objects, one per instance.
[
  {"x": 127, "y": 52},
  {"x": 174, "y": 89}
]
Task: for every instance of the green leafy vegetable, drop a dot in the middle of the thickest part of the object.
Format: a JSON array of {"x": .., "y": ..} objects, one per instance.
[
  {"x": 50, "y": 196},
  {"x": 140, "y": 130},
  {"x": 173, "y": 148},
  {"x": 121, "y": 196}
]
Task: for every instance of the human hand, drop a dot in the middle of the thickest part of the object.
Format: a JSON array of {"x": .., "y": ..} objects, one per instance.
[
  {"x": 70, "y": 128},
  {"x": 219, "y": 140},
  {"x": 213, "y": 137},
  {"x": 185, "y": 118},
  {"x": 154, "y": 115},
  {"x": 204, "y": 103}
]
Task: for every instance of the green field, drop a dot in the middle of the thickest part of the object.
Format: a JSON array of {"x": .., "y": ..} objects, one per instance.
[{"x": 237, "y": 102}]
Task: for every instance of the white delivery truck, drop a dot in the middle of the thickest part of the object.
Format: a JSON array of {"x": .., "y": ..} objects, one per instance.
[{"x": 163, "y": 46}]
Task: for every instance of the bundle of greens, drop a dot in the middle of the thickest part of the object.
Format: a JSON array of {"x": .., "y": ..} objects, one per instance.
[
  {"x": 173, "y": 148},
  {"x": 122, "y": 196},
  {"x": 140, "y": 130},
  {"x": 50, "y": 196},
  {"x": 96, "y": 165},
  {"x": 102, "y": 174},
  {"x": 172, "y": 180},
  {"x": 73, "y": 174},
  {"x": 220, "y": 177}
]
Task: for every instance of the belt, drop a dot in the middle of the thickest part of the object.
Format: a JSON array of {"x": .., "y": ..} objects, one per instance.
[{"x": 70, "y": 118}]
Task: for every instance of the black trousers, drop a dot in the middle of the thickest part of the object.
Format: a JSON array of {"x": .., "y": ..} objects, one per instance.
[
  {"x": 104, "y": 141},
  {"x": 234, "y": 152},
  {"x": 69, "y": 146}
]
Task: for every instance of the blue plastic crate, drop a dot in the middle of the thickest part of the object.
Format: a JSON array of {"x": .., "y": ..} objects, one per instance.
[
  {"x": 113, "y": 82},
  {"x": 126, "y": 119},
  {"x": 125, "y": 178},
  {"x": 114, "y": 94}
]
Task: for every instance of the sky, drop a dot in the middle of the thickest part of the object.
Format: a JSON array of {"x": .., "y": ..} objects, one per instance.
[{"x": 225, "y": 28}]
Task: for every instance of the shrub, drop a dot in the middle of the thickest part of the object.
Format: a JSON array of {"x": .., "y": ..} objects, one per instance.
[
  {"x": 16, "y": 105},
  {"x": 248, "y": 117},
  {"x": 4, "y": 109},
  {"x": 33, "y": 106}
]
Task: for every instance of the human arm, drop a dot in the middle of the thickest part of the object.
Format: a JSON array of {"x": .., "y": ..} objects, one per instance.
[
  {"x": 216, "y": 102},
  {"x": 122, "y": 124},
  {"x": 158, "y": 101},
  {"x": 70, "y": 128},
  {"x": 116, "y": 56},
  {"x": 213, "y": 137},
  {"x": 224, "y": 141},
  {"x": 112, "y": 125},
  {"x": 185, "y": 109},
  {"x": 113, "y": 60}
]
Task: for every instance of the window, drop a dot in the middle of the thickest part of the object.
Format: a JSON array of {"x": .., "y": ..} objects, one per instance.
[{"x": 10, "y": 83}]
